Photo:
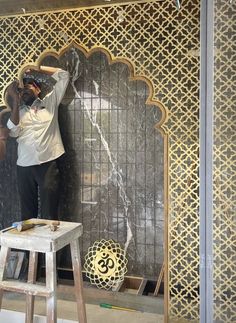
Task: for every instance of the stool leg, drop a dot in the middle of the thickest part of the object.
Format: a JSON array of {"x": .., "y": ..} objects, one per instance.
[
  {"x": 33, "y": 262},
  {"x": 78, "y": 279},
  {"x": 51, "y": 282},
  {"x": 4, "y": 254}
]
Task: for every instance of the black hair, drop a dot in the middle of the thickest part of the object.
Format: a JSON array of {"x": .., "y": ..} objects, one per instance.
[{"x": 31, "y": 80}]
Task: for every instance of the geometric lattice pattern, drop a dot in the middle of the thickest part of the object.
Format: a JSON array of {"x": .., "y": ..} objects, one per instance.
[
  {"x": 224, "y": 261},
  {"x": 162, "y": 43}
]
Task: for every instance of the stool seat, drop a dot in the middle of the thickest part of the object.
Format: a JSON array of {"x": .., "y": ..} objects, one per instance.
[{"x": 41, "y": 239}]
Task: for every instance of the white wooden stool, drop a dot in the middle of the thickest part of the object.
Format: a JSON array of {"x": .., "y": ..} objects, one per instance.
[{"x": 42, "y": 239}]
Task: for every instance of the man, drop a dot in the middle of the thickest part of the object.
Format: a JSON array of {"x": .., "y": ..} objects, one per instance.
[{"x": 34, "y": 122}]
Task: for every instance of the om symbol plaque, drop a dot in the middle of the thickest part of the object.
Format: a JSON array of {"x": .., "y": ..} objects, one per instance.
[{"x": 105, "y": 264}]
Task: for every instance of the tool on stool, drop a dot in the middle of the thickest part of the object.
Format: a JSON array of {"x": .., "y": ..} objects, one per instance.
[
  {"x": 54, "y": 225},
  {"x": 8, "y": 228},
  {"x": 27, "y": 224}
]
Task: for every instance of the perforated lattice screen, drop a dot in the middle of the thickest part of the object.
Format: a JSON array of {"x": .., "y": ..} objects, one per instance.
[
  {"x": 224, "y": 261},
  {"x": 162, "y": 43}
]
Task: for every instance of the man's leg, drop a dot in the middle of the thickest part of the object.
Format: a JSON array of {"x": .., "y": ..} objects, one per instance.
[
  {"x": 48, "y": 181},
  {"x": 28, "y": 191}
]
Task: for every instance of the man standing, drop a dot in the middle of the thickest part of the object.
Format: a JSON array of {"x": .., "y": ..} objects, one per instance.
[{"x": 34, "y": 122}]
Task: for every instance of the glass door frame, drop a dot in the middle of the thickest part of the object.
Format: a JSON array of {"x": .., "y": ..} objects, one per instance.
[{"x": 206, "y": 159}]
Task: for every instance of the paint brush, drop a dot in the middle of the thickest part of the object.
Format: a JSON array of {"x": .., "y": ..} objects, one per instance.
[{"x": 105, "y": 305}]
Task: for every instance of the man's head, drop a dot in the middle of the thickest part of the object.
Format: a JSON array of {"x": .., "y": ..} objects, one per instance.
[{"x": 30, "y": 91}]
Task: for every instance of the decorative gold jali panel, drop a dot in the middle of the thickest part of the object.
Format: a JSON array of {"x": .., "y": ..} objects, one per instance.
[
  {"x": 162, "y": 43},
  {"x": 224, "y": 229}
]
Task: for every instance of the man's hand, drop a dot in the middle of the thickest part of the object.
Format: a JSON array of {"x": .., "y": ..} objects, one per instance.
[{"x": 48, "y": 69}]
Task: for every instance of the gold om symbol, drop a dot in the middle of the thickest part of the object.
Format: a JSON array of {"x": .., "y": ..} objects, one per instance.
[{"x": 105, "y": 263}]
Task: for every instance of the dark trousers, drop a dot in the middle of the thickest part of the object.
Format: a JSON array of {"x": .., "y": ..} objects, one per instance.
[{"x": 39, "y": 182}]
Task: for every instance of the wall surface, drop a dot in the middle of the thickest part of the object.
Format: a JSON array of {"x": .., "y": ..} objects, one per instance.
[{"x": 162, "y": 44}]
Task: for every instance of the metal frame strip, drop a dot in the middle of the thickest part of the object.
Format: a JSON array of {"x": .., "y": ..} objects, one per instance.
[{"x": 206, "y": 161}]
